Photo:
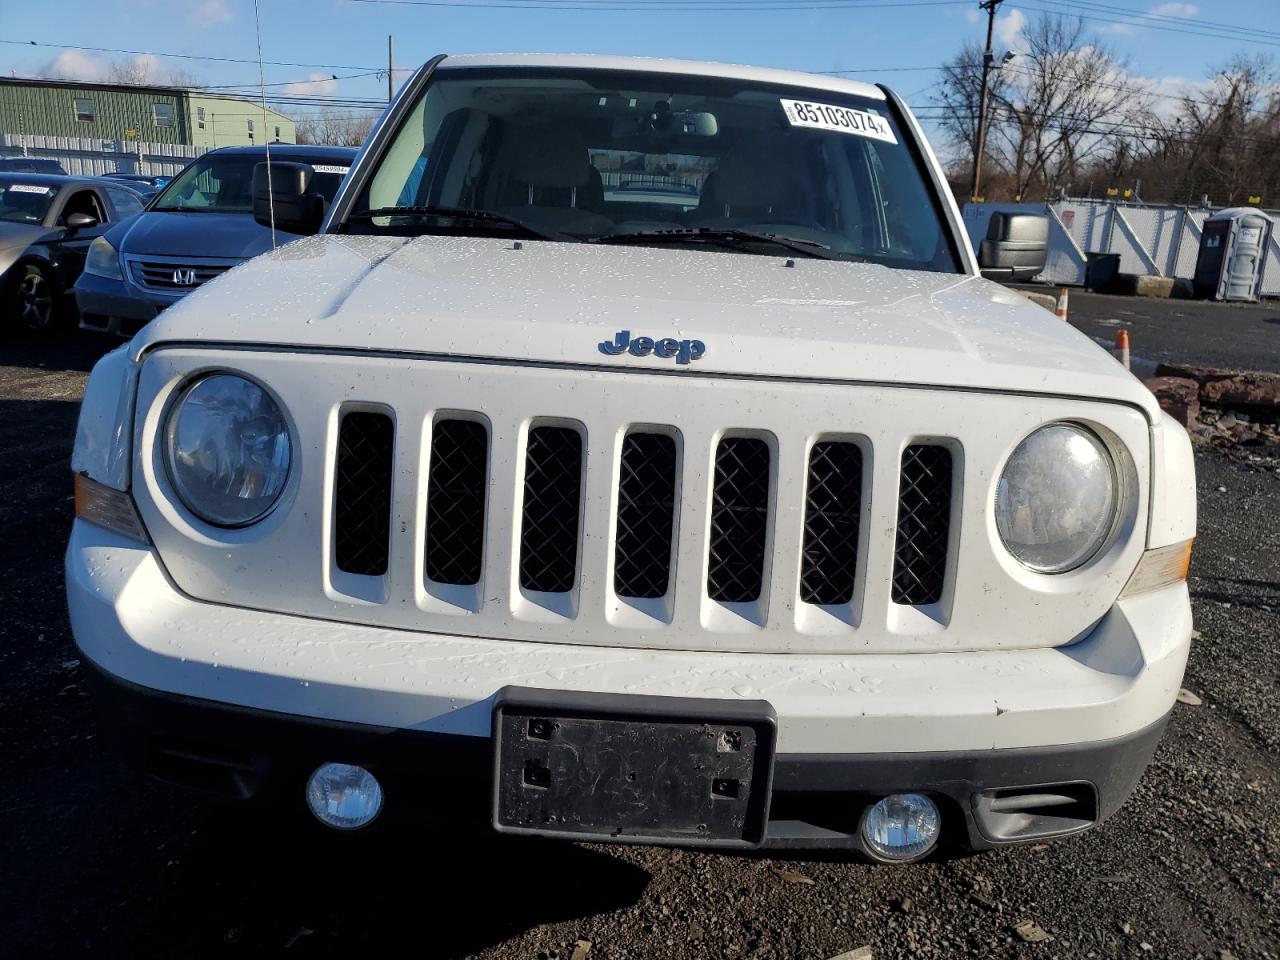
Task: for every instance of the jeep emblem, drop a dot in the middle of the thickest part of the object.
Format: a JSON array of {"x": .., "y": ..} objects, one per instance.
[{"x": 684, "y": 351}]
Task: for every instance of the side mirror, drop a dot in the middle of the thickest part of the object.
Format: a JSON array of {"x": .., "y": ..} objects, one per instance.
[
  {"x": 1016, "y": 248},
  {"x": 297, "y": 208},
  {"x": 78, "y": 221}
]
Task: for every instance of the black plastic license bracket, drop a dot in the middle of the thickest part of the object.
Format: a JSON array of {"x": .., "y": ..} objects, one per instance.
[{"x": 639, "y": 769}]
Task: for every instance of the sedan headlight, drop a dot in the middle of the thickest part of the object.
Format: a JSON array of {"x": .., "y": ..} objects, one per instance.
[
  {"x": 102, "y": 260},
  {"x": 228, "y": 450},
  {"x": 1058, "y": 498}
]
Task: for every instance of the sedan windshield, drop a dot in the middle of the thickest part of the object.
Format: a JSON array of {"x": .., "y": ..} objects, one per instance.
[
  {"x": 224, "y": 184},
  {"x": 24, "y": 202},
  {"x": 657, "y": 159}
]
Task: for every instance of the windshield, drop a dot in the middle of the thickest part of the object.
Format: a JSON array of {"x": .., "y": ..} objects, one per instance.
[
  {"x": 224, "y": 184},
  {"x": 24, "y": 202},
  {"x": 599, "y": 155}
]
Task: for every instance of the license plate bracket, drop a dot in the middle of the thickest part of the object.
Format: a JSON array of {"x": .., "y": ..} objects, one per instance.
[{"x": 632, "y": 768}]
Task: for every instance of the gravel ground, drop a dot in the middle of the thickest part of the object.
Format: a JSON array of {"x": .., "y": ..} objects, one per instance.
[{"x": 98, "y": 863}]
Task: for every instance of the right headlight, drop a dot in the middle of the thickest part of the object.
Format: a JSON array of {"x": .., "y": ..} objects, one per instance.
[
  {"x": 102, "y": 260},
  {"x": 1057, "y": 499},
  {"x": 228, "y": 450}
]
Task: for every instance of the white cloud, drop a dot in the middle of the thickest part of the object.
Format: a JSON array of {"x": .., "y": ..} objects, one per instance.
[
  {"x": 76, "y": 65},
  {"x": 210, "y": 13},
  {"x": 971, "y": 15},
  {"x": 317, "y": 84},
  {"x": 1009, "y": 29},
  {"x": 1174, "y": 10}
]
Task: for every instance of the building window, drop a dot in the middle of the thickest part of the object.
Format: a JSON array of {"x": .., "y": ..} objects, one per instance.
[
  {"x": 277, "y": 134},
  {"x": 163, "y": 113},
  {"x": 86, "y": 110},
  {"x": 200, "y": 117},
  {"x": 249, "y": 127}
]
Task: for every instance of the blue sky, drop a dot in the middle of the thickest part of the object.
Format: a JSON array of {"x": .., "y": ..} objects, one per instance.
[{"x": 351, "y": 36}]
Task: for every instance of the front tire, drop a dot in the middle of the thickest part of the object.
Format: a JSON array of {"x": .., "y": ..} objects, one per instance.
[{"x": 33, "y": 303}]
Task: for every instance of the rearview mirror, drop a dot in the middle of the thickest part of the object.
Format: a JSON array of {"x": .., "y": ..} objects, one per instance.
[
  {"x": 78, "y": 221},
  {"x": 297, "y": 208},
  {"x": 1016, "y": 248}
]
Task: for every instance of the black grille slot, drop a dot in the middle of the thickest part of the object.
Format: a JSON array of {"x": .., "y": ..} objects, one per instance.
[
  {"x": 739, "y": 520},
  {"x": 646, "y": 516},
  {"x": 549, "y": 530},
  {"x": 924, "y": 520},
  {"x": 455, "y": 501},
  {"x": 833, "y": 506},
  {"x": 362, "y": 515}
]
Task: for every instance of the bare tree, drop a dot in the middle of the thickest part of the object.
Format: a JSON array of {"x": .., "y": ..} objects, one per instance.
[
  {"x": 958, "y": 95},
  {"x": 337, "y": 129},
  {"x": 134, "y": 73},
  {"x": 1220, "y": 141},
  {"x": 144, "y": 70},
  {"x": 1057, "y": 104}
]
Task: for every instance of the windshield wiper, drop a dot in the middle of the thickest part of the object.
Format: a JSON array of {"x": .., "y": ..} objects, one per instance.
[
  {"x": 461, "y": 213},
  {"x": 731, "y": 236}
]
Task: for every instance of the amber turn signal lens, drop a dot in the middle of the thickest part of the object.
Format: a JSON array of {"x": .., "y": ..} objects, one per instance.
[
  {"x": 108, "y": 508},
  {"x": 1159, "y": 568}
]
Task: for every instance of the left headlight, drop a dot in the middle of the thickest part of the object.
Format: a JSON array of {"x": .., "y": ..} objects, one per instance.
[
  {"x": 102, "y": 260},
  {"x": 228, "y": 450},
  {"x": 1057, "y": 499}
]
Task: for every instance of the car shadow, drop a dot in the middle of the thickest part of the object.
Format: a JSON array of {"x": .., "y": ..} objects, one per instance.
[
  {"x": 69, "y": 350},
  {"x": 178, "y": 876}
]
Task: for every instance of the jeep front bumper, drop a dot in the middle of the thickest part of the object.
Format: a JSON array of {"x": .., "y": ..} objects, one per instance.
[{"x": 246, "y": 704}]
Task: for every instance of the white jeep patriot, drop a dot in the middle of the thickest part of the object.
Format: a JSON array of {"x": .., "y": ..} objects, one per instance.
[{"x": 636, "y": 452}]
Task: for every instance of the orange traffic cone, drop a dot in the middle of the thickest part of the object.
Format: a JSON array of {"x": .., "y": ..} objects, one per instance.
[
  {"x": 1122, "y": 347},
  {"x": 1061, "y": 311}
]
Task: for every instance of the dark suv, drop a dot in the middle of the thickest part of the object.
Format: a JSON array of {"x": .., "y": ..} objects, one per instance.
[{"x": 198, "y": 227}]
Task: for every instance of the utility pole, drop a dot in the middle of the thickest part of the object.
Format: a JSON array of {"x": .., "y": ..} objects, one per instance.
[
  {"x": 391, "y": 67},
  {"x": 987, "y": 57}
]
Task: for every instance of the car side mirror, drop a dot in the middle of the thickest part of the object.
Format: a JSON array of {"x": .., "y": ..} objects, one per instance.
[
  {"x": 1016, "y": 248},
  {"x": 78, "y": 221},
  {"x": 297, "y": 208}
]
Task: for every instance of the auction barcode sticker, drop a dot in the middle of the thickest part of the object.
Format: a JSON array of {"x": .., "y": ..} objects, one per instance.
[
  {"x": 329, "y": 168},
  {"x": 826, "y": 116},
  {"x": 29, "y": 188}
]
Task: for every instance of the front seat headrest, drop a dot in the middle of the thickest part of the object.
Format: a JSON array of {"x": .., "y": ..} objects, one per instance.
[
  {"x": 752, "y": 174},
  {"x": 551, "y": 155}
]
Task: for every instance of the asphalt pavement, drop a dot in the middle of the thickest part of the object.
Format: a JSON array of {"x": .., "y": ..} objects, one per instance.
[
  {"x": 97, "y": 863},
  {"x": 1235, "y": 336}
]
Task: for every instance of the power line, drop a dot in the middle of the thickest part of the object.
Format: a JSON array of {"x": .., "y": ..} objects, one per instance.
[
  {"x": 184, "y": 56},
  {"x": 1088, "y": 13},
  {"x": 1152, "y": 16},
  {"x": 687, "y": 6}
]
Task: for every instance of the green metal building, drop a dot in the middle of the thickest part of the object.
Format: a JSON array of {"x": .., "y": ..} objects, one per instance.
[{"x": 106, "y": 111}]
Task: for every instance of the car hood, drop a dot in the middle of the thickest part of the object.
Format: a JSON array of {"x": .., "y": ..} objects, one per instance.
[
  {"x": 230, "y": 235},
  {"x": 548, "y": 302}
]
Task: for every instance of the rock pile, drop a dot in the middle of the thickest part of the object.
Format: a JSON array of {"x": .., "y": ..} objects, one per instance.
[{"x": 1221, "y": 407}]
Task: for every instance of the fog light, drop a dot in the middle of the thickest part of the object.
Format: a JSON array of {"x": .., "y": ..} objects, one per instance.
[
  {"x": 901, "y": 827},
  {"x": 344, "y": 796}
]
